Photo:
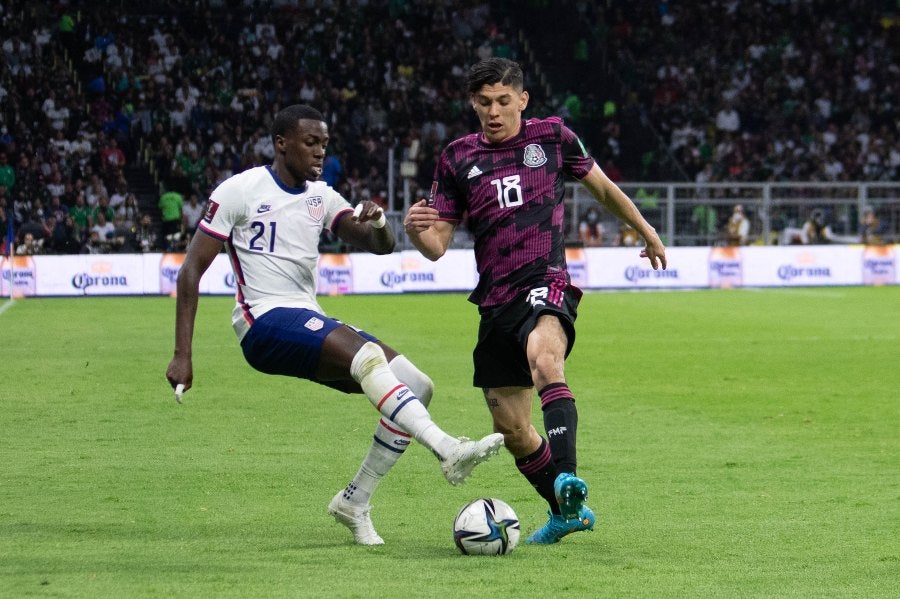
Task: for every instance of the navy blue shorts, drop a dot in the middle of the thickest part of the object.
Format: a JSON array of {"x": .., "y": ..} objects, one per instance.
[
  {"x": 500, "y": 358},
  {"x": 288, "y": 341}
]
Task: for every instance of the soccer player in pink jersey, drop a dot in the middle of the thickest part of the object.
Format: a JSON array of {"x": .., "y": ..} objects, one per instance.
[{"x": 508, "y": 181}]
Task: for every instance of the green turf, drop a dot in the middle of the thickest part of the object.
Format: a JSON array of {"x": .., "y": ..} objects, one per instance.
[{"x": 738, "y": 444}]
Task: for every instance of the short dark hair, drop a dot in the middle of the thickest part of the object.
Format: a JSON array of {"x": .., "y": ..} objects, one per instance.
[
  {"x": 286, "y": 119},
  {"x": 495, "y": 70}
]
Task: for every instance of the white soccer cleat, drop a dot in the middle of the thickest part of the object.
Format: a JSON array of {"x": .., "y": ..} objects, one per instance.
[
  {"x": 468, "y": 454},
  {"x": 356, "y": 518}
]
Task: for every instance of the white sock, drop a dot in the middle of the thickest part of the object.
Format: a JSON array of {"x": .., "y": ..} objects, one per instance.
[
  {"x": 396, "y": 401},
  {"x": 388, "y": 445},
  {"x": 389, "y": 441}
]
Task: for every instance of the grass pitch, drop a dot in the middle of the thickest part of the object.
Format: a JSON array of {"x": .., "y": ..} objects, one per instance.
[{"x": 737, "y": 443}]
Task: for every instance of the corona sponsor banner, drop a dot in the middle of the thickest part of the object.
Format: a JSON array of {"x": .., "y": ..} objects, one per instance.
[
  {"x": 623, "y": 268},
  {"x": 725, "y": 267},
  {"x": 57, "y": 274},
  {"x": 169, "y": 267},
  {"x": 335, "y": 274},
  {"x": 18, "y": 277},
  {"x": 879, "y": 265},
  {"x": 219, "y": 277},
  {"x": 161, "y": 274},
  {"x": 377, "y": 274},
  {"x": 91, "y": 274},
  {"x": 455, "y": 271},
  {"x": 105, "y": 274},
  {"x": 591, "y": 268},
  {"x": 803, "y": 265},
  {"x": 577, "y": 264}
]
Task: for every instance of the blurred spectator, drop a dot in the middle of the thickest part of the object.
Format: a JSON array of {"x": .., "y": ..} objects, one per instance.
[
  {"x": 81, "y": 214},
  {"x": 146, "y": 236},
  {"x": 29, "y": 246},
  {"x": 192, "y": 212},
  {"x": 628, "y": 236},
  {"x": 171, "y": 204},
  {"x": 121, "y": 239},
  {"x": 870, "y": 228},
  {"x": 612, "y": 171},
  {"x": 189, "y": 166},
  {"x": 65, "y": 238},
  {"x": 737, "y": 229},
  {"x": 130, "y": 210},
  {"x": 56, "y": 208},
  {"x": 117, "y": 199},
  {"x": 112, "y": 158},
  {"x": 816, "y": 231},
  {"x": 56, "y": 186},
  {"x": 7, "y": 141},
  {"x": 7, "y": 173},
  {"x": 332, "y": 169},
  {"x": 96, "y": 190},
  {"x": 48, "y": 225},
  {"x": 102, "y": 208},
  {"x": 590, "y": 229},
  {"x": 103, "y": 227},
  {"x": 94, "y": 244},
  {"x": 22, "y": 208},
  {"x": 6, "y": 232},
  {"x": 705, "y": 221}
]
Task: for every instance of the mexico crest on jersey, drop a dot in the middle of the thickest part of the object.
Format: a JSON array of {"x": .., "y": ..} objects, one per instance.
[
  {"x": 534, "y": 155},
  {"x": 316, "y": 207}
]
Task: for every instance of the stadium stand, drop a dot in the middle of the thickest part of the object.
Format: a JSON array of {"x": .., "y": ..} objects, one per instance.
[
  {"x": 810, "y": 103},
  {"x": 659, "y": 91}
]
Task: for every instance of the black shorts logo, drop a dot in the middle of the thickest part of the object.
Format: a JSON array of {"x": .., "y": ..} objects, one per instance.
[{"x": 538, "y": 296}]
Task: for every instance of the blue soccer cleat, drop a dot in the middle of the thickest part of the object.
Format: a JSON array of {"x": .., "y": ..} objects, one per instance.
[
  {"x": 571, "y": 493},
  {"x": 558, "y": 527}
]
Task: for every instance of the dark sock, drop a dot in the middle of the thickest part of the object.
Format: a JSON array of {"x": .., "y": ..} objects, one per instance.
[
  {"x": 540, "y": 471},
  {"x": 561, "y": 424}
]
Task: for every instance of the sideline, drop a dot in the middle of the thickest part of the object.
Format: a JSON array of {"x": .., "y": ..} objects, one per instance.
[{"x": 6, "y": 306}]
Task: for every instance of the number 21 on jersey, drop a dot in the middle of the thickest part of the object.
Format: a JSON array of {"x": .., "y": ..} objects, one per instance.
[
  {"x": 509, "y": 192},
  {"x": 258, "y": 242}
]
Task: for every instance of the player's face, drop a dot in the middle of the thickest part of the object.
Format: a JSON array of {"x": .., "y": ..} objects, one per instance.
[
  {"x": 499, "y": 108},
  {"x": 303, "y": 151}
]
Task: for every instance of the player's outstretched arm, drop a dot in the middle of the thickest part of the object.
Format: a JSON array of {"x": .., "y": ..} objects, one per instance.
[
  {"x": 620, "y": 205},
  {"x": 202, "y": 251},
  {"x": 367, "y": 230}
]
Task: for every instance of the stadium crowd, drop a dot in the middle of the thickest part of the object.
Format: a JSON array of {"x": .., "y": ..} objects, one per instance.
[
  {"x": 737, "y": 86},
  {"x": 94, "y": 93}
]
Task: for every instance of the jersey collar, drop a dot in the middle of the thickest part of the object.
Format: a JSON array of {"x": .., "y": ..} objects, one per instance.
[
  {"x": 284, "y": 187},
  {"x": 509, "y": 140}
]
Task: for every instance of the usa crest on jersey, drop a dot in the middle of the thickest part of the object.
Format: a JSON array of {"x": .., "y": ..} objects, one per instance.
[
  {"x": 316, "y": 207},
  {"x": 534, "y": 155}
]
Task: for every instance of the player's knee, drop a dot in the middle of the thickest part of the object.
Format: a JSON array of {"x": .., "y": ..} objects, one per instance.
[
  {"x": 545, "y": 368},
  {"x": 517, "y": 437},
  {"x": 418, "y": 382},
  {"x": 368, "y": 359}
]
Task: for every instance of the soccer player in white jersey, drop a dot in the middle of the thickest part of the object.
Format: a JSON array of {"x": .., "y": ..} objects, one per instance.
[{"x": 269, "y": 219}]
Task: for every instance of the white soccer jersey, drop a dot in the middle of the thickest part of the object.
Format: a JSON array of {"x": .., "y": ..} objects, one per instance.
[{"x": 272, "y": 236}]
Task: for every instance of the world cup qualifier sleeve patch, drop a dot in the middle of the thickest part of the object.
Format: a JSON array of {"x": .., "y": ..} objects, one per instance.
[{"x": 210, "y": 212}]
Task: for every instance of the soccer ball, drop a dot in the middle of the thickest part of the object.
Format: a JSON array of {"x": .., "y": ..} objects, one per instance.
[{"x": 486, "y": 527}]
